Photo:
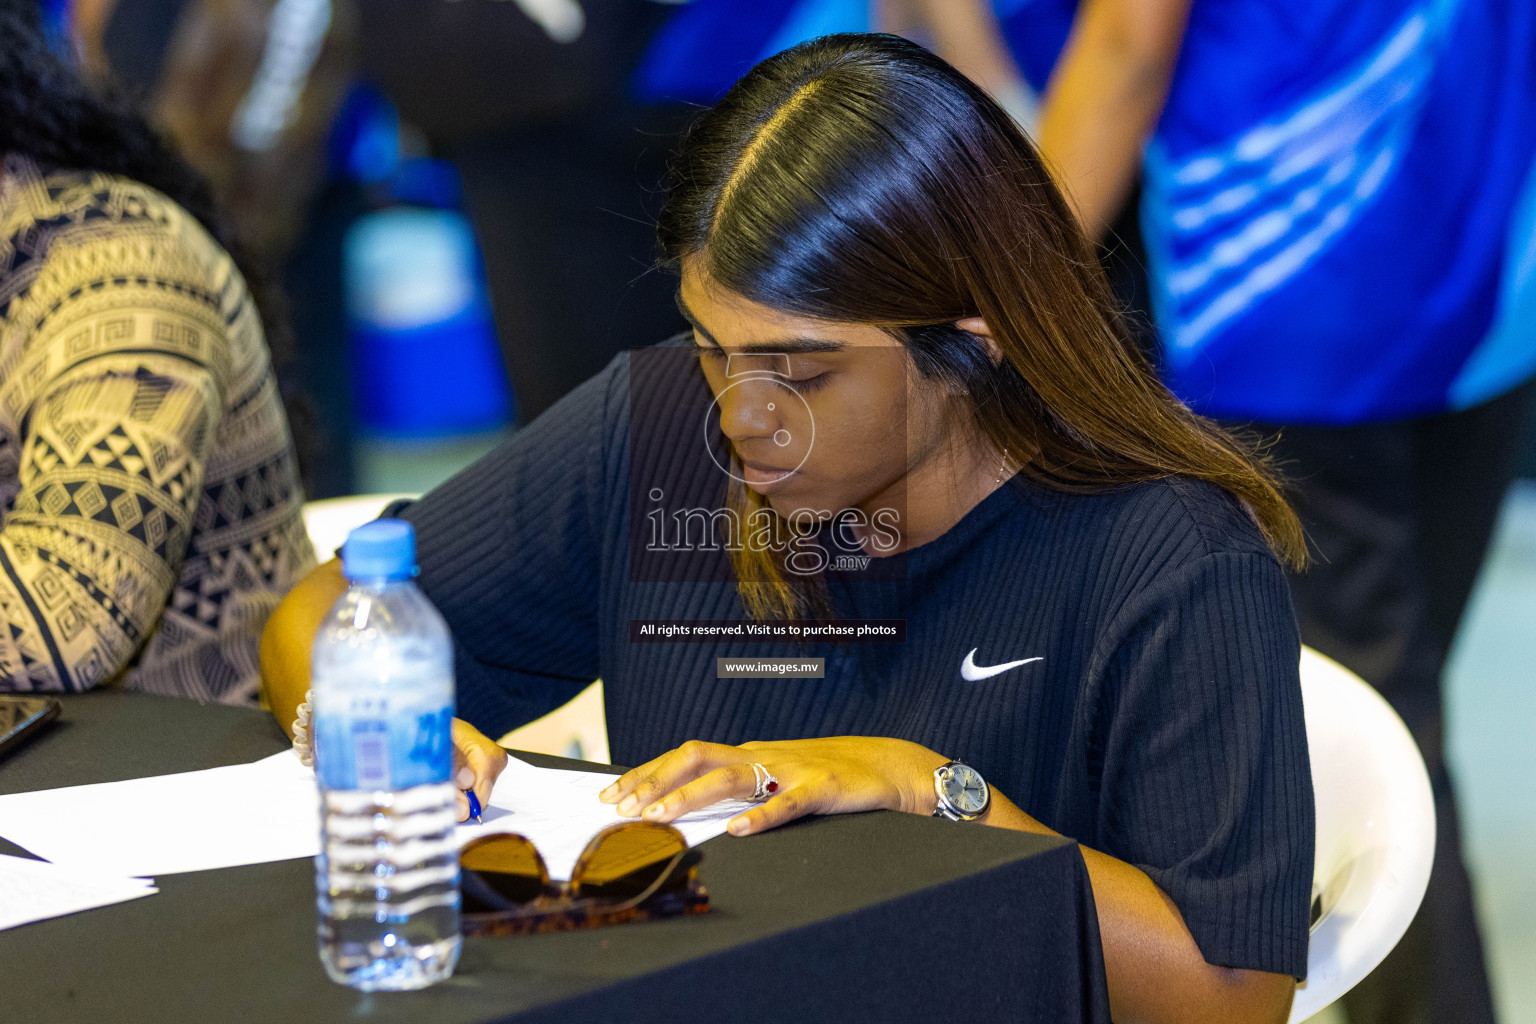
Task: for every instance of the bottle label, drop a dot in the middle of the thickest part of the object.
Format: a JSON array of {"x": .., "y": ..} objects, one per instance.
[{"x": 367, "y": 745}]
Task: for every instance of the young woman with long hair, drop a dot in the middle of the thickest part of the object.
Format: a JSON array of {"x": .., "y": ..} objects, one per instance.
[
  {"x": 151, "y": 493},
  {"x": 920, "y": 413}
]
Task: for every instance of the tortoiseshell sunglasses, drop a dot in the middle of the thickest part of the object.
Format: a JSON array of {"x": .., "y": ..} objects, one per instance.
[{"x": 630, "y": 871}]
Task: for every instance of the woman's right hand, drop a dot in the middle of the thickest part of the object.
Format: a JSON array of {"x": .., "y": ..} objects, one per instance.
[{"x": 478, "y": 762}]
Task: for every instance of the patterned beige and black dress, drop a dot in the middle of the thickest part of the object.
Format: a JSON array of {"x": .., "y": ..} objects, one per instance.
[{"x": 147, "y": 478}]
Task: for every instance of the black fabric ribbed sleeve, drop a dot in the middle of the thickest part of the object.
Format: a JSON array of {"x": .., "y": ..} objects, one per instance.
[
  {"x": 1204, "y": 756},
  {"x": 509, "y": 553}
]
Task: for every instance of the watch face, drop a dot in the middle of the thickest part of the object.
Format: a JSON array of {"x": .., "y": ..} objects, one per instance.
[{"x": 965, "y": 790}]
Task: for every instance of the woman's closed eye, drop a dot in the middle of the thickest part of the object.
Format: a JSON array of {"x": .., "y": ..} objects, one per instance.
[{"x": 811, "y": 382}]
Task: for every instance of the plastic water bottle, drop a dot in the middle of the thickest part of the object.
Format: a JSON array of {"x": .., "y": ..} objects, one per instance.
[{"x": 387, "y": 877}]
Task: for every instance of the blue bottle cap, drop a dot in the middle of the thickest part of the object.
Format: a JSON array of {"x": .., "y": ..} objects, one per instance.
[{"x": 382, "y": 549}]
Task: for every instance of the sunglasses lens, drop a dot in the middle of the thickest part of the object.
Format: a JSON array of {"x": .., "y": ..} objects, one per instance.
[
  {"x": 623, "y": 860},
  {"x": 506, "y": 870}
]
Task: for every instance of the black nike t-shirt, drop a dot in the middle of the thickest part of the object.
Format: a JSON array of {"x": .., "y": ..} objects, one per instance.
[{"x": 1122, "y": 665}]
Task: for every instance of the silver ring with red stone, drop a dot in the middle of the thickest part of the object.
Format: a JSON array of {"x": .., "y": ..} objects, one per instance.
[{"x": 767, "y": 785}]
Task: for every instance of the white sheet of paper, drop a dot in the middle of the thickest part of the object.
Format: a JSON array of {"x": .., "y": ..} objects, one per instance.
[
  {"x": 559, "y": 811},
  {"x": 268, "y": 810},
  {"x": 34, "y": 890},
  {"x": 193, "y": 821}
]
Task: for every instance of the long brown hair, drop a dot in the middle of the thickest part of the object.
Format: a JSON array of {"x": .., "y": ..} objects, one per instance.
[{"x": 861, "y": 179}]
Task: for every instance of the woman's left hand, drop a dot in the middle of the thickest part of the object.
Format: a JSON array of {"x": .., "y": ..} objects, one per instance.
[{"x": 834, "y": 775}]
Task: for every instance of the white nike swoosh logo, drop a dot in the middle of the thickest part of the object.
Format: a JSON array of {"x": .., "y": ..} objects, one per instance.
[{"x": 972, "y": 672}]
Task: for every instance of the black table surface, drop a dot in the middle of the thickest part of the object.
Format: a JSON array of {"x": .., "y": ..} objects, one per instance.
[{"x": 879, "y": 916}]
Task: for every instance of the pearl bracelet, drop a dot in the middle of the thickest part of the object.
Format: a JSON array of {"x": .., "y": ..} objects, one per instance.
[{"x": 302, "y": 745}]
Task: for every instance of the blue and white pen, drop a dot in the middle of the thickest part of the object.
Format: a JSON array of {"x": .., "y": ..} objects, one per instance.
[{"x": 474, "y": 806}]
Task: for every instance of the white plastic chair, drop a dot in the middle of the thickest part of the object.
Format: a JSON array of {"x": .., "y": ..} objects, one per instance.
[
  {"x": 1375, "y": 830},
  {"x": 578, "y": 729},
  {"x": 330, "y": 520}
]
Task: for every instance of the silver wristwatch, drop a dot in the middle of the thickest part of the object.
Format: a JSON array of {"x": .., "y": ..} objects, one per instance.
[{"x": 963, "y": 793}]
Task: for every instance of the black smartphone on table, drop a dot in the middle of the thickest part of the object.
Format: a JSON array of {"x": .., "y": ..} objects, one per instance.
[{"x": 23, "y": 717}]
